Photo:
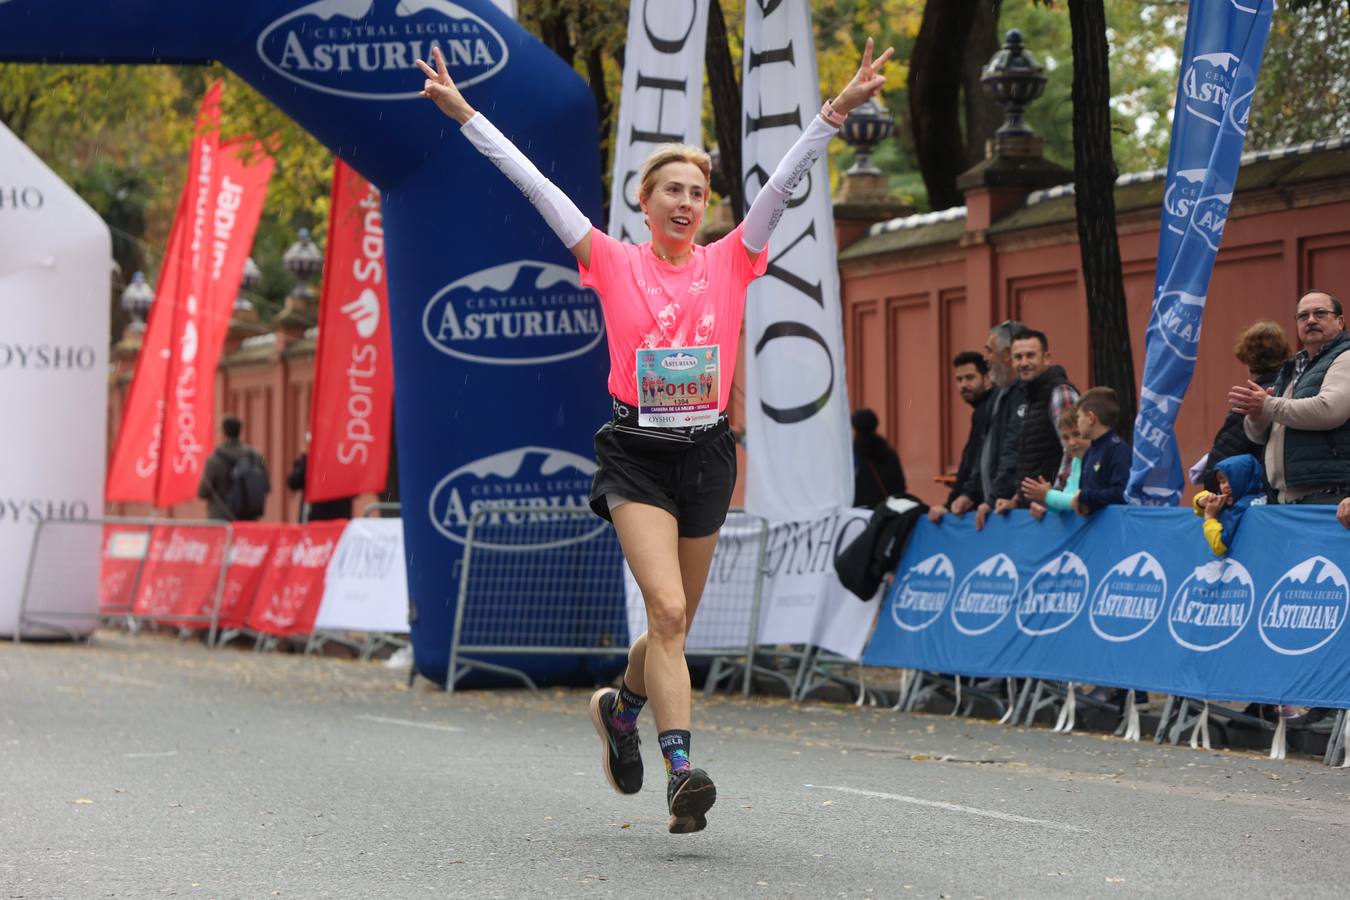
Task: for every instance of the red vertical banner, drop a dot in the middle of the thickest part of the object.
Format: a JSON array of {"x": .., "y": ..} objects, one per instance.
[
  {"x": 226, "y": 202},
  {"x": 353, "y": 401},
  {"x": 134, "y": 467}
]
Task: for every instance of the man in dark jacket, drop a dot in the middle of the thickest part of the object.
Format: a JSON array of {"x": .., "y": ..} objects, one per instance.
[
  {"x": 218, "y": 473},
  {"x": 1305, "y": 424},
  {"x": 972, "y": 380},
  {"x": 1040, "y": 450},
  {"x": 877, "y": 473},
  {"x": 323, "y": 510}
]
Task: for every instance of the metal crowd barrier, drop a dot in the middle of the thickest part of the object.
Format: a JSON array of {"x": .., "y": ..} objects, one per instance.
[
  {"x": 62, "y": 549},
  {"x": 551, "y": 582}
]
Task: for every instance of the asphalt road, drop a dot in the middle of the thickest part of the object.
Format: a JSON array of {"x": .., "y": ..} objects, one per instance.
[{"x": 142, "y": 767}]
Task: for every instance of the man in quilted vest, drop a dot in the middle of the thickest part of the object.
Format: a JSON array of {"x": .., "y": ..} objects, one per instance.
[{"x": 1305, "y": 421}]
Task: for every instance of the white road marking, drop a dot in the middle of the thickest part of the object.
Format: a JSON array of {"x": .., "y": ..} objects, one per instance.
[
  {"x": 411, "y": 724},
  {"x": 159, "y": 753},
  {"x": 951, "y": 807}
]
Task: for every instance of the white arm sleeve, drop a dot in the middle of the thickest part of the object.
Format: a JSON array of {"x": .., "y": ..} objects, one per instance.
[
  {"x": 772, "y": 199},
  {"x": 561, "y": 214}
]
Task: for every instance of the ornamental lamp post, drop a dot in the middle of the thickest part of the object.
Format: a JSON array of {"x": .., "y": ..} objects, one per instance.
[
  {"x": 1013, "y": 79},
  {"x": 304, "y": 260},
  {"x": 137, "y": 300},
  {"x": 244, "y": 308},
  {"x": 866, "y": 126}
]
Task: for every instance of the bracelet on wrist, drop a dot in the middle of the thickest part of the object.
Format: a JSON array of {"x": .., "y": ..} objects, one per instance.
[{"x": 831, "y": 115}]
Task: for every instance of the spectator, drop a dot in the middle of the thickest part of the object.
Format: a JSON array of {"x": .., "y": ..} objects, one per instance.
[
  {"x": 1106, "y": 464},
  {"x": 876, "y": 466},
  {"x": 1059, "y": 496},
  {"x": 1263, "y": 349},
  {"x": 1343, "y": 512},
  {"x": 1040, "y": 454},
  {"x": 1305, "y": 422},
  {"x": 323, "y": 510},
  {"x": 1241, "y": 485},
  {"x": 1004, "y": 422},
  {"x": 235, "y": 483},
  {"x": 972, "y": 380}
]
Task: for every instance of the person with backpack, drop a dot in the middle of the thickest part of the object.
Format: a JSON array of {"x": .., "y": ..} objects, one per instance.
[{"x": 235, "y": 483}]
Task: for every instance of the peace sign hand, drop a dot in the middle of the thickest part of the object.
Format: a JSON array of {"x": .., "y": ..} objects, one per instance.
[
  {"x": 440, "y": 89},
  {"x": 866, "y": 83}
]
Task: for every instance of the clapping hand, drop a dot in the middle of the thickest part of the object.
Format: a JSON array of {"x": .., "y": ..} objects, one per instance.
[
  {"x": 866, "y": 83},
  {"x": 1249, "y": 399},
  {"x": 1035, "y": 488},
  {"x": 440, "y": 89}
]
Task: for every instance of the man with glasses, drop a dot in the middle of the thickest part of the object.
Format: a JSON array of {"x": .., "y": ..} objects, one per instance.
[{"x": 1305, "y": 421}]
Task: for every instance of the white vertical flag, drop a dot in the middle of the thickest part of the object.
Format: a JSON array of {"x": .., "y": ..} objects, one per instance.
[
  {"x": 662, "y": 98},
  {"x": 797, "y": 417}
]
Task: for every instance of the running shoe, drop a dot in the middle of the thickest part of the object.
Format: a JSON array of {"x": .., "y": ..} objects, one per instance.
[
  {"x": 621, "y": 759},
  {"x": 689, "y": 795}
]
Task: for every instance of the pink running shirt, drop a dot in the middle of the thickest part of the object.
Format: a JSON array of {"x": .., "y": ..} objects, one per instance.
[{"x": 649, "y": 303}]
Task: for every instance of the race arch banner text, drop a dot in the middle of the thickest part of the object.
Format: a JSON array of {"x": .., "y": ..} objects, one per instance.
[
  {"x": 499, "y": 356},
  {"x": 1130, "y": 597}
]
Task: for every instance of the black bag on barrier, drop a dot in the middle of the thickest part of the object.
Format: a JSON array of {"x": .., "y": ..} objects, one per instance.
[{"x": 874, "y": 553}]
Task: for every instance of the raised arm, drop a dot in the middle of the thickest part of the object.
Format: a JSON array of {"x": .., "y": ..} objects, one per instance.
[
  {"x": 772, "y": 199},
  {"x": 568, "y": 223}
]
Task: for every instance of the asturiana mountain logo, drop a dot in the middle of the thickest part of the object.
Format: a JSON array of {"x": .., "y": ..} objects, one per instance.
[
  {"x": 1212, "y": 605},
  {"x": 519, "y": 313},
  {"x": 366, "y": 48},
  {"x": 985, "y": 595},
  {"x": 1305, "y": 608},
  {"x": 1129, "y": 599},
  {"x": 1055, "y": 595},
  {"x": 922, "y": 592},
  {"x": 535, "y": 482}
]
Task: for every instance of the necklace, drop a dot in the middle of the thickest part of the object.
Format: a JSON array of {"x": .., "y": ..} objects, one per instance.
[{"x": 677, "y": 260}]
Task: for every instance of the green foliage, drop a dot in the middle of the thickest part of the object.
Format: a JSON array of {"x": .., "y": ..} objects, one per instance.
[{"x": 1303, "y": 92}]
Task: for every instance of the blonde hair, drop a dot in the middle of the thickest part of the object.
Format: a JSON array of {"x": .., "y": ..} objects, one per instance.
[{"x": 669, "y": 153}]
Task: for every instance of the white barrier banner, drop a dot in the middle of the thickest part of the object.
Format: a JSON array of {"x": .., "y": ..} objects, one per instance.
[
  {"x": 802, "y": 600},
  {"x": 366, "y": 585},
  {"x": 796, "y": 403},
  {"x": 55, "y": 258},
  {"x": 661, "y": 101}
]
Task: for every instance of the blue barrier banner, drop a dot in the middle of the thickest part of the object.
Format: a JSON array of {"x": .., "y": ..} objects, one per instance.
[
  {"x": 499, "y": 353},
  {"x": 1225, "y": 40},
  {"x": 1130, "y": 597}
]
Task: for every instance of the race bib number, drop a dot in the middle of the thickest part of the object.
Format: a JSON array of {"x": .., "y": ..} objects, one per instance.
[{"x": 678, "y": 386}]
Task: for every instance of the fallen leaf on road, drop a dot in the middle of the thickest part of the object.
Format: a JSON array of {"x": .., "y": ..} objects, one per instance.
[
  {"x": 83, "y": 801},
  {"x": 1115, "y": 880}
]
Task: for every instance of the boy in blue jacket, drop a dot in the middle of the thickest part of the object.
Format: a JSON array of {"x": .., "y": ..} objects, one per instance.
[{"x": 1106, "y": 464}]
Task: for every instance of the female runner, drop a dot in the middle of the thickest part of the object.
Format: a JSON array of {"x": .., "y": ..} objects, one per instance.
[{"x": 665, "y": 471}]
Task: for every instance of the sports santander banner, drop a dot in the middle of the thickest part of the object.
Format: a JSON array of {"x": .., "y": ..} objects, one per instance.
[
  {"x": 661, "y": 102},
  {"x": 796, "y": 403},
  {"x": 1225, "y": 40},
  {"x": 353, "y": 402},
  {"x": 227, "y": 200},
  {"x": 134, "y": 467}
]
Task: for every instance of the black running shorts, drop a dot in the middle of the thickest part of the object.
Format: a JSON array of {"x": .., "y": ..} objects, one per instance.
[{"x": 688, "y": 472}]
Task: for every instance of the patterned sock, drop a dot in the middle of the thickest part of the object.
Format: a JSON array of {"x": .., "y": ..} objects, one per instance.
[
  {"x": 627, "y": 705},
  {"x": 675, "y": 749}
]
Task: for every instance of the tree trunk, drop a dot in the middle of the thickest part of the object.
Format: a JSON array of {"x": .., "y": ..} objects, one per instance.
[
  {"x": 983, "y": 116},
  {"x": 726, "y": 102},
  {"x": 935, "y": 74},
  {"x": 1094, "y": 175}
]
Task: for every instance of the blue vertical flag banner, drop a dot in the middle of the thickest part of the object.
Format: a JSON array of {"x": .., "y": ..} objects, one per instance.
[{"x": 1225, "y": 40}]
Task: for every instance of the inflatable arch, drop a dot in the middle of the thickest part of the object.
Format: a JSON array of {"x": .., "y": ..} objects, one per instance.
[{"x": 499, "y": 355}]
